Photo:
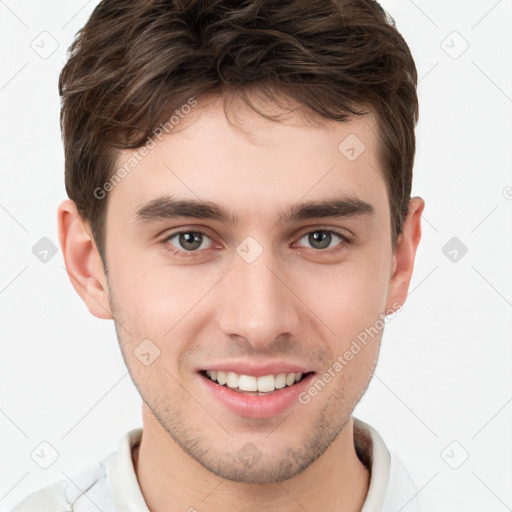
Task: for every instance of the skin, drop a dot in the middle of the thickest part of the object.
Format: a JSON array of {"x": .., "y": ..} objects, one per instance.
[{"x": 296, "y": 303}]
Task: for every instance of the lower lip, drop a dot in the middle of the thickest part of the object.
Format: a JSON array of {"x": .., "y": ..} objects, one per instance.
[{"x": 257, "y": 406}]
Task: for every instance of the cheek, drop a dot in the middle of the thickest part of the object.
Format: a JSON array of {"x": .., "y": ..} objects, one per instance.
[
  {"x": 158, "y": 304},
  {"x": 157, "y": 297},
  {"x": 345, "y": 299}
]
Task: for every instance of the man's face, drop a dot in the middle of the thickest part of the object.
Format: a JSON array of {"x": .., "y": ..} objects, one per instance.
[{"x": 265, "y": 296}]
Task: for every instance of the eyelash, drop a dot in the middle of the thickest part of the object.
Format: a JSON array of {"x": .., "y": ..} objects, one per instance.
[{"x": 191, "y": 254}]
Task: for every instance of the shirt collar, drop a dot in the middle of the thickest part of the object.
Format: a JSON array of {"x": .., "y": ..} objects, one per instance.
[
  {"x": 370, "y": 447},
  {"x": 121, "y": 478}
]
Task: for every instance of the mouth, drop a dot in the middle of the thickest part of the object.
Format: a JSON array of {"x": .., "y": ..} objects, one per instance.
[
  {"x": 263, "y": 385},
  {"x": 255, "y": 389}
]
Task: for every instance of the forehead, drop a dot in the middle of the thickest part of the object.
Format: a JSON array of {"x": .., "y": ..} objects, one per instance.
[{"x": 252, "y": 164}]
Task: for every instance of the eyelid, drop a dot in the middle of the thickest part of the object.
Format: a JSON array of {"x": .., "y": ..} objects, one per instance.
[{"x": 330, "y": 229}]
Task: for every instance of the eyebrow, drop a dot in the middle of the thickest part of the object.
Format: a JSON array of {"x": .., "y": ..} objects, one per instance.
[{"x": 168, "y": 208}]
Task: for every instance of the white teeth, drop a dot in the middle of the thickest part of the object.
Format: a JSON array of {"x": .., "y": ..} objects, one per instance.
[
  {"x": 280, "y": 380},
  {"x": 232, "y": 380},
  {"x": 264, "y": 384},
  {"x": 247, "y": 383}
]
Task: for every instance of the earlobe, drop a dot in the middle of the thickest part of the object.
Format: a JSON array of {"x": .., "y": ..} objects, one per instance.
[
  {"x": 82, "y": 259},
  {"x": 404, "y": 255}
]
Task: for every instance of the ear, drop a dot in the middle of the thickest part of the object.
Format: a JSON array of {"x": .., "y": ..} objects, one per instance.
[
  {"x": 82, "y": 259},
  {"x": 403, "y": 256}
]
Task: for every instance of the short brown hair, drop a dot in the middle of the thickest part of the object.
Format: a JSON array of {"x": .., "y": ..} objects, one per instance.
[{"x": 136, "y": 61}]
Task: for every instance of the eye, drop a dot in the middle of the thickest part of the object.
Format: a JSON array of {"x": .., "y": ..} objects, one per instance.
[
  {"x": 187, "y": 241},
  {"x": 321, "y": 239}
]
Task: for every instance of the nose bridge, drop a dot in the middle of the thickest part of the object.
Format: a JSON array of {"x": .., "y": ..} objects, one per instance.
[{"x": 255, "y": 303}]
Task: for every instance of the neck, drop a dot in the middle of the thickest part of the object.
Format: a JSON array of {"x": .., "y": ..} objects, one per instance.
[{"x": 337, "y": 480}]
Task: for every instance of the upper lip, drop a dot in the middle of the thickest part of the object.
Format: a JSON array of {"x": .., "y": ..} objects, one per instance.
[{"x": 256, "y": 369}]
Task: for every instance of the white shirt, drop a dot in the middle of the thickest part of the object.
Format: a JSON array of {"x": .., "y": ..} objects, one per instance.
[{"x": 112, "y": 486}]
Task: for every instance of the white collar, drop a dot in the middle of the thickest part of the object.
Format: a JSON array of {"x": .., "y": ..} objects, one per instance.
[
  {"x": 121, "y": 478},
  {"x": 369, "y": 440}
]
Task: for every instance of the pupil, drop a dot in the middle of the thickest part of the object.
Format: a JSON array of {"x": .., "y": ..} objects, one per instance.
[
  {"x": 190, "y": 240},
  {"x": 322, "y": 236}
]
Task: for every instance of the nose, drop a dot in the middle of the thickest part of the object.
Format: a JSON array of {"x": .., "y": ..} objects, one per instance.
[{"x": 257, "y": 302}]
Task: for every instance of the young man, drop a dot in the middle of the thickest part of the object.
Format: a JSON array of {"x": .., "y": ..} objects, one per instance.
[{"x": 239, "y": 175}]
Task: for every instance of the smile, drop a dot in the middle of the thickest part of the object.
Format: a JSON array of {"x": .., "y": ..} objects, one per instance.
[{"x": 253, "y": 389}]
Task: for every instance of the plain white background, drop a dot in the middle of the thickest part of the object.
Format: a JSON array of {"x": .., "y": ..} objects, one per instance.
[{"x": 442, "y": 394}]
